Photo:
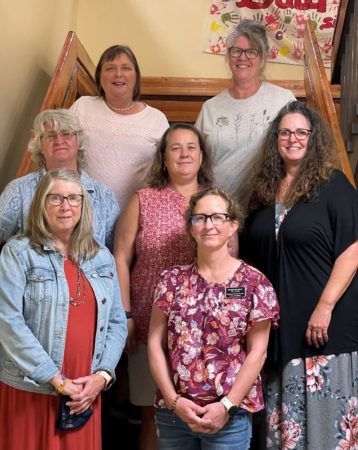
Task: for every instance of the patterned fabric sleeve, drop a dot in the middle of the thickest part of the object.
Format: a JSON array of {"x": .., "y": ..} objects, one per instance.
[
  {"x": 10, "y": 211},
  {"x": 265, "y": 304},
  {"x": 111, "y": 216},
  {"x": 165, "y": 288}
]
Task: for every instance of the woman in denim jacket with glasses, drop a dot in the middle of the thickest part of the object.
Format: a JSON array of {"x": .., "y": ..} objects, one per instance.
[{"x": 62, "y": 324}]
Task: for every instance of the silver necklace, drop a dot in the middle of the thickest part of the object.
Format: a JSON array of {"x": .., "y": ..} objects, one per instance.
[{"x": 121, "y": 109}]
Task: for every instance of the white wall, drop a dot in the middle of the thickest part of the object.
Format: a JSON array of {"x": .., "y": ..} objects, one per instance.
[{"x": 167, "y": 36}]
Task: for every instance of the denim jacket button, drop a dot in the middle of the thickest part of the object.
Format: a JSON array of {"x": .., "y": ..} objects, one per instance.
[
  {"x": 101, "y": 329},
  {"x": 104, "y": 301},
  {"x": 94, "y": 275}
]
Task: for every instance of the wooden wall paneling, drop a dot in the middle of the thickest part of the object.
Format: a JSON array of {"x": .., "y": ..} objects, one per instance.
[{"x": 337, "y": 37}]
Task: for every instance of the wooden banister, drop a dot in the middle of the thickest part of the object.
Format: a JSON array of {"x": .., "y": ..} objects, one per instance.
[
  {"x": 73, "y": 77},
  {"x": 179, "y": 98},
  {"x": 319, "y": 94}
]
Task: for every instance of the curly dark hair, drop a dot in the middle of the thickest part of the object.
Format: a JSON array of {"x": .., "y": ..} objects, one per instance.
[
  {"x": 158, "y": 175},
  {"x": 316, "y": 167}
]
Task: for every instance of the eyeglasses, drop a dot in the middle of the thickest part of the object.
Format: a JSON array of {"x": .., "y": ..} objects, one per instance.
[
  {"x": 236, "y": 52},
  {"x": 51, "y": 136},
  {"x": 300, "y": 134},
  {"x": 216, "y": 218},
  {"x": 58, "y": 199}
]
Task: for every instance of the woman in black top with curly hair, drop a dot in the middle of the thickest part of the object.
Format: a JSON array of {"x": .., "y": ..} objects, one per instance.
[{"x": 302, "y": 232}]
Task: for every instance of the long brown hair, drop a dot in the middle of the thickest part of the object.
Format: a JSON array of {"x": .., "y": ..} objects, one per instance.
[
  {"x": 158, "y": 175},
  {"x": 316, "y": 166}
]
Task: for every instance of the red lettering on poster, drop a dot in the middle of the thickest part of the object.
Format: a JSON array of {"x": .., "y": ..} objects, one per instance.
[
  {"x": 254, "y": 5},
  {"x": 328, "y": 22},
  {"x": 303, "y": 5}
]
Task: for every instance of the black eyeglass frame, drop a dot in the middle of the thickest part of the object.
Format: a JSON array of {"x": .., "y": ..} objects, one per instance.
[
  {"x": 63, "y": 198},
  {"x": 283, "y": 138},
  {"x": 210, "y": 216},
  {"x": 243, "y": 50}
]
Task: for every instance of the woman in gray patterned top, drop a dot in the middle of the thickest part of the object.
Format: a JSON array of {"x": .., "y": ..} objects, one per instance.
[{"x": 234, "y": 121}]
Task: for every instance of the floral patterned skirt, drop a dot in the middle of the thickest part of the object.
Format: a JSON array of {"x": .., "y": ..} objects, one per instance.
[{"x": 313, "y": 405}]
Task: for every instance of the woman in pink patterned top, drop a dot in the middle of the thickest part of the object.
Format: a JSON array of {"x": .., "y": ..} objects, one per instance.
[
  {"x": 208, "y": 336},
  {"x": 151, "y": 236}
]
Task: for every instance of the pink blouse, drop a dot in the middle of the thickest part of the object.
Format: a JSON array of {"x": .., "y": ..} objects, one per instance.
[
  {"x": 207, "y": 327},
  {"x": 161, "y": 243}
]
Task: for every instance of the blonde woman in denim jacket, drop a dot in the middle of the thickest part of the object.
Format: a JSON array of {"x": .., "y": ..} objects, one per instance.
[{"x": 62, "y": 324}]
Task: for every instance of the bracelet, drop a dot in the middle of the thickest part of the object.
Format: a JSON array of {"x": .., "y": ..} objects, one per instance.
[
  {"x": 61, "y": 387},
  {"x": 174, "y": 404}
]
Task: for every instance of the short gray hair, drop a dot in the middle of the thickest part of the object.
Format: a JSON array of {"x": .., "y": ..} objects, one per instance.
[
  {"x": 60, "y": 119},
  {"x": 255, "y": 32}
]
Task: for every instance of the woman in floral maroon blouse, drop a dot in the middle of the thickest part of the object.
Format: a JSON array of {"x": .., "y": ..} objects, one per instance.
[{"x": 208, "y": 336}]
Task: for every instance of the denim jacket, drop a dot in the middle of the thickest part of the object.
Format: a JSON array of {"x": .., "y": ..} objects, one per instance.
[
  {"x": 34, "y": 307},
  {"x": 16, "y": 199}
]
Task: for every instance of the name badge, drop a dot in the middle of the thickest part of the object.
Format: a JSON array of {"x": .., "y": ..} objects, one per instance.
[{"x": 235, "y": 292}]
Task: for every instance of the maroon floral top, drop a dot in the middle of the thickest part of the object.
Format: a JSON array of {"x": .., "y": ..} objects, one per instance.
[{"x": 207, "y": 325}]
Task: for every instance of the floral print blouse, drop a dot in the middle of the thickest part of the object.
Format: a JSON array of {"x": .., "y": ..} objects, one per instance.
[{"x": 207, "y": 327}]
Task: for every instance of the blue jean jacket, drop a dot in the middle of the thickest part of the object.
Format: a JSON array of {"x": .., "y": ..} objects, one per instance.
[
  {"x": 34, "y": 307},
  {"x": 16, "y": 199}
]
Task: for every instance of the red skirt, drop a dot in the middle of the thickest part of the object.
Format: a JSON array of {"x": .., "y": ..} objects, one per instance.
[{"x": 27, "y": 420}]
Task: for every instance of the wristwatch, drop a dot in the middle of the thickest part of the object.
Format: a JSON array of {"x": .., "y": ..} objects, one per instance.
[
  {"x": 107, "y": 377},
  {"x": 230, "y": 407},
  {"x": 129, "y": 314}
]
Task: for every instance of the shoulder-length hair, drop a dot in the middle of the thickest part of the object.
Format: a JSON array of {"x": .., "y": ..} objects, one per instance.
[
  {"x": 60, "y": 120},
  {"x": 316, "y": 167},
  {"x": 108, "y": 55},
  {"x": 82, "y": 244},
  {"x": 158, "y": 175}
]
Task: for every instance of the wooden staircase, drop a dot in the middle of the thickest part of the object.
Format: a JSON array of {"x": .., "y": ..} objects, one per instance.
[{"x": 181, "y": 98}]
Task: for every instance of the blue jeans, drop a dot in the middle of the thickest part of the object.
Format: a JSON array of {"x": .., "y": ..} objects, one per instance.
[{"x": 174, "y": 434}]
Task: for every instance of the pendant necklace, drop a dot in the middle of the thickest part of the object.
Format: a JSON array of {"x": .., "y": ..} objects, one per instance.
[{"x": 76, "y": 300}]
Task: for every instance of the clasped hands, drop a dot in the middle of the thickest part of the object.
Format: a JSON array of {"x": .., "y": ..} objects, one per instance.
[
  {"x": 202, "y": 419},
  {"x": 83, "y": 392}
]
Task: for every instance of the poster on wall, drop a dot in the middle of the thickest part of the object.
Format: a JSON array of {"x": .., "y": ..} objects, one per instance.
[{"x": 284, "y": 20}]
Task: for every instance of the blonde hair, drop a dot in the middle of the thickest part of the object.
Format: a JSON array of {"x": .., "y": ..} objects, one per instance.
[{"x": 82, "y": 244}]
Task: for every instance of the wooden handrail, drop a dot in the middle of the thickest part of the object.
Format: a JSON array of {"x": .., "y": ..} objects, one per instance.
[
  {"x": 73, "y": 77},
  {"x": 179, "y": 98},
  {"x": 319, "y": 94}
]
